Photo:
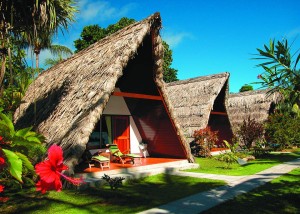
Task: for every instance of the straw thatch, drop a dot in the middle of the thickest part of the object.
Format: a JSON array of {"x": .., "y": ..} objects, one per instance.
[
  {"x": 71, "y": 96},
  {"x": 194, "y": 99},
  {"x": 256, "y": 104}
]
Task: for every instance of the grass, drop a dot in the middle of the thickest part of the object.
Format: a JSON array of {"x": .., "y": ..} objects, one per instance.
[
  {"x": 212, "y": 166},
  {"x": 134, "y": 196},
  {"x": 282, "y": 195}
]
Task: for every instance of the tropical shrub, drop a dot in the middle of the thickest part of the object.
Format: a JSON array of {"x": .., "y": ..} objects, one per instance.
[
  {"x": 250, "y": 131},
  {"x": 283, "y": 130},
  {"x": 15, "y": 152},
  {"x": 228, "y": 158},
  {"x": 204, "y": 141}
]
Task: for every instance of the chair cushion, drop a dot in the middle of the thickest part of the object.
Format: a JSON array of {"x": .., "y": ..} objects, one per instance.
[
  {"x": 132, "y": 155},
  {"x": 100, "y": 158}
]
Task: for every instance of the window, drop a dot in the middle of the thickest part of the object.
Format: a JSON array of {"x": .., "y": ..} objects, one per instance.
[{"x": 102, "y": 133}]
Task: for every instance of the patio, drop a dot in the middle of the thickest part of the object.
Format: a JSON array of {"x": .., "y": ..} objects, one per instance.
[{"x": 145, "y": 167}]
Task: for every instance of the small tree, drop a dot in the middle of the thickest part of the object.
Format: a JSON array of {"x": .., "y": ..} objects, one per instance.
[
  {"x": 204, "y": 141},
  {"x": 250, "y": 131}
]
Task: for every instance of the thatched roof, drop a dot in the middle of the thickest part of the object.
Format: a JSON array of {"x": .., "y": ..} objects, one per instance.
[
  {"x": 71, "y": 96},
  {"x": 193, "y": 100},
  {"x": 255, "y": 104}
]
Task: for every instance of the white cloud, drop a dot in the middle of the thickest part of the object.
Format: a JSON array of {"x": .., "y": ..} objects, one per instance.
[
  {"x": 174, "y": 39},
  {"x": 101, "y": 10}
]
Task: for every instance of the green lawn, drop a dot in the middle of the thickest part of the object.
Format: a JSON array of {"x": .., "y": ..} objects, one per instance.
[
  {"x": 212, "y": 166},
  {"x": 134, "y": 196},
  {"x": 282, "y": 195}
]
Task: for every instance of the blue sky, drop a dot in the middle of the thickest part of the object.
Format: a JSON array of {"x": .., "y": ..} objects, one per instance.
[{"x": 206, "y": 37}]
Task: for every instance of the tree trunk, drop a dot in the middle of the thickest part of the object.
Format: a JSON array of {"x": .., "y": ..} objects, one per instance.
[{"x": 2, "y": 70}]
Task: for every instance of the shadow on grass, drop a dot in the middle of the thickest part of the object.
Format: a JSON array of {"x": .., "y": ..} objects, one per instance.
[
  {"x": 279, "y": 196},
  {"x": 133, "y": 196}
]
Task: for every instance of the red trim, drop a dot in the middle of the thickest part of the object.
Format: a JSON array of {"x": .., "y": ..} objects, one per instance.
[
  {"x": 134, "y": 95},
  {"x": 218, "y": 113}
]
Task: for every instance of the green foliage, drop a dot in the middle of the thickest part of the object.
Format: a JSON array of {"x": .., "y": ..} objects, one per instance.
[
  {"x": 228, "y": 158},
  {"x": 17, "y": 146},
  {"x": 170, "y": 74},
  {"x": 204, "y": 139},
  {"x": 283, "y": 130},
  {"x": 60, "y": 52},
  {"x": 281, "y": 73},
  {"x": 16, "y": 81},
  {"x": 250, "y": 131},
  {"x": 14, "y": 164},
  {"x": 246, "y": 87},
  {"x": 233, "y": 147},
  {"x": 93, "y": 33}
]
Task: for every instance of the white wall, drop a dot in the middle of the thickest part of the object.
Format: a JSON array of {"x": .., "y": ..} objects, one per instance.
[{"x": 117, "y": 106}]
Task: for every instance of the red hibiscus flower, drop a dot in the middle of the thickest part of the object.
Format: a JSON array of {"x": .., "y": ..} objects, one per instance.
[
  {"x": 50, "y": 171},
  {"x": 2, "y": 162}
]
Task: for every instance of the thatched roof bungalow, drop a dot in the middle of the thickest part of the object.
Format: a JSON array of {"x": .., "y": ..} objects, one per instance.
[
  {"x": 256, "y": 104},
  {"x": 201, "y": 102},
  {"x": 111, "y": 92}
]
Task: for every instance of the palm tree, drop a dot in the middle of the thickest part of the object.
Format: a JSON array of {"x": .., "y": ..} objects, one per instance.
[
  {"x": 45, "y": 20},
  {"x": 59, "y": 51},
  {"x": 48, "y": 17}
]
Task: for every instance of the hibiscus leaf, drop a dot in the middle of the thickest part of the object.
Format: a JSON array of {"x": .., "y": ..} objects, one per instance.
[
  {"x": 23, "y": 132},
  {"x": 26, "y": 163},
  {"x": 15, "y": 164},
  {"x": 6, "y": 121}
]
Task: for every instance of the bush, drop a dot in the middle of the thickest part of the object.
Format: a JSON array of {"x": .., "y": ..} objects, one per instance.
[
  {"x": 228, "y": 158},
  {"x": 283, "y": 130},
  {"x": 250, "y": 131},
  {"x": 204, "y": 141}
]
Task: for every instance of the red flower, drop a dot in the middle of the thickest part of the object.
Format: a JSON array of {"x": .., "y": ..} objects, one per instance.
[
  {"x": 2, "y": 163},
  {"x": 1, "y": 188},
  {"x": 50, "y": 171}
]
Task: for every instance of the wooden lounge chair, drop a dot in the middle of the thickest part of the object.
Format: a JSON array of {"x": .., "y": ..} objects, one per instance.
[
  {"x": 121, "y": 157},
  {"x": 96, "y": 157},
  {"x": 103, "y": 161}
]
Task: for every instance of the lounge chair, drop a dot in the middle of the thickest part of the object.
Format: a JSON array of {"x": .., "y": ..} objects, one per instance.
[
  {"x": 96, "y": 157},
  {"x": 103, "y": 161},
  {"x": 121, "y": 157}
]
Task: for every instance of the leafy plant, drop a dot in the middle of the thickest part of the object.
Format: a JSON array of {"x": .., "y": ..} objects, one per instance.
[
  {"x": 283, "y": 130},
  {"x": 250, "y": 131},
  {"x": 228, "y": 158},
  {"x": 15, "y": 149},
  {"x": 233, "y": 147},
  {"x": 280, "y": 69},
  {"x": 204, "y": 141},
  {"x": 115, "y": 182}
]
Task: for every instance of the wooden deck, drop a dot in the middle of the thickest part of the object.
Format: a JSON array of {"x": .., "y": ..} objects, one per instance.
[
  {"x": 147, "y": 166},
  {"x": 84, "y": 168}
]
